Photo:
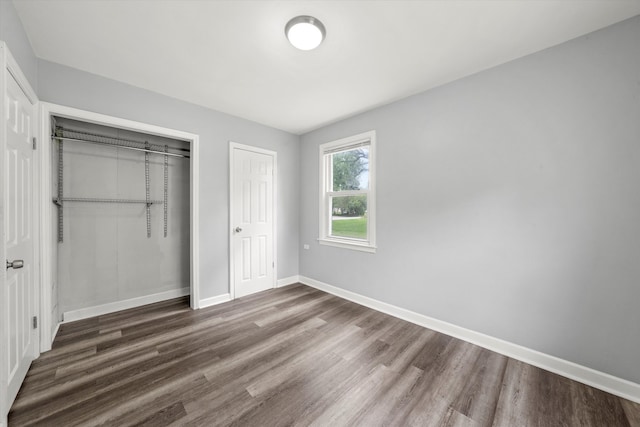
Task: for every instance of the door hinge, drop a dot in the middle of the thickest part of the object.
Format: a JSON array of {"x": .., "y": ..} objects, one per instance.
[
  {"x": 273, "y": 265},
  {"x": 35, "y": 322},
  {"x": 35, "y": 143}
]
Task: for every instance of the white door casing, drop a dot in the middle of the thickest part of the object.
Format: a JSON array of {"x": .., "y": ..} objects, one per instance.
[
  {"x": 19, "y": 292},
  {"x": 252, "y": 214},
  {"x": 47, "y": 111}
]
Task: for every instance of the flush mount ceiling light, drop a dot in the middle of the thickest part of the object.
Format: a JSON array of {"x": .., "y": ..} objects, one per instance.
[{"x": 305, "y": 32}]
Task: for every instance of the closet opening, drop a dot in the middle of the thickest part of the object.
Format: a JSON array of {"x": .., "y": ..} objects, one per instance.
[{"x": 120, "y": 218}]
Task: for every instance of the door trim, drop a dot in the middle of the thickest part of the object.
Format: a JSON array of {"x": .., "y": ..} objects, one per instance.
[
  {"x": 46, "y": 111},
  {"x": 18, "y": 75},
  {"x": 236, "y": 146}
]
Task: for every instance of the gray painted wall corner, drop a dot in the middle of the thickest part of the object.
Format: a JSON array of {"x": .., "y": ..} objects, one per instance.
[
  {"x": 12, "y": 32},
  {"x": 507, "y": 202},
  {"x": 67, "y": 86}
]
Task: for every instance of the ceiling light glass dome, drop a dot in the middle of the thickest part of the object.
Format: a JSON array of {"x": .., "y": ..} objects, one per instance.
[{"x": 305, "y": 32}]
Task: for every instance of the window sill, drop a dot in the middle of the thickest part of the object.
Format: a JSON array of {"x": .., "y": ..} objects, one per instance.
[{"x": 363, "y": 247}]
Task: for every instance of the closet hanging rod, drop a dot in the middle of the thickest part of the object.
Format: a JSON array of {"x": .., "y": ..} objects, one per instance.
[
  {"x": 58, "y": 201},
  {"x": 119, "y": 146}
]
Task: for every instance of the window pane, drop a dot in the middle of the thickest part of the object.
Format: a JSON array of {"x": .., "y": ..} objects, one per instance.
[
  {"x": 349, "y": 217},
  {"x": 351, "y": 169}
]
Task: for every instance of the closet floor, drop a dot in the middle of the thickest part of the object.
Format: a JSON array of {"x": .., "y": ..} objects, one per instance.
[{"x": 291, "y": 356}]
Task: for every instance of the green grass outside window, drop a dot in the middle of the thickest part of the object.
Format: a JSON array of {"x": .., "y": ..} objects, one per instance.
[{"x": 355, "y": 228}]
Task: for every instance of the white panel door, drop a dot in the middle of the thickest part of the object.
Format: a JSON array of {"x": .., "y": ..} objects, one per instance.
[
  {"x": 19, "y": 291},
  {"x": 252, "y": 221}
]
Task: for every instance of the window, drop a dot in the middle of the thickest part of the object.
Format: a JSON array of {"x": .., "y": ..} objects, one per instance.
[{"x": 347, "y": 192}]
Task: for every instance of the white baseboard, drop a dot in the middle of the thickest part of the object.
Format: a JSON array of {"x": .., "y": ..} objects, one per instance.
[
  {"x": 287, "y": 281},
  {"x": 98, "y": 310},
  {"x": 219, "y": 299},
  {"x": 600, "y": 380},
  {"x": 55, "y": 332}
]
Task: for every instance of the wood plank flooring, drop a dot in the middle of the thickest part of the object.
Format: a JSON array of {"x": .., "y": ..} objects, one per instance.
[{"x": 291, "y": 356}]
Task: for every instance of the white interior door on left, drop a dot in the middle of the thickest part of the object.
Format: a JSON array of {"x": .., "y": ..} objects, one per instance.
[{"x": 19, "y": 292}]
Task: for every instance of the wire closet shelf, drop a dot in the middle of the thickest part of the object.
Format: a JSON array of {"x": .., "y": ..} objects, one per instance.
[
  {"x": 127, "y": 144},
  {"x": 64, "y": 134}
]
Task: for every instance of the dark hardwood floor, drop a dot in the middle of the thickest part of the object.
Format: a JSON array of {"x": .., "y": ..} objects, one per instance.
[{"x": 291, "y": 356}]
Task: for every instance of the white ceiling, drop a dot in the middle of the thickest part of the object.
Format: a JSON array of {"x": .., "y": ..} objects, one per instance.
[{"x": 232, "y": 56}]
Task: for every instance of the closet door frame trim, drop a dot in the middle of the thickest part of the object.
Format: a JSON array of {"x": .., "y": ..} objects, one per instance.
[{"x": 47, "y": 110}]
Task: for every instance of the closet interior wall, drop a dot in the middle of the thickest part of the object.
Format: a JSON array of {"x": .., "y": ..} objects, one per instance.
[{"x": 106, "y": 255}]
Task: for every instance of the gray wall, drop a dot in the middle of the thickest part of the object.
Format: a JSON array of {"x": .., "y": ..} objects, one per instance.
[
  {"x": 71, "y": 87},
  {"x": 508, "y": 202},
  {"x": 12, "y": 32},
  {"x": 106, "y": 255}
]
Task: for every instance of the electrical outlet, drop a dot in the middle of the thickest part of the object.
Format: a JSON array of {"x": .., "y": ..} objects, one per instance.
[{"x": 306, "y": 246}]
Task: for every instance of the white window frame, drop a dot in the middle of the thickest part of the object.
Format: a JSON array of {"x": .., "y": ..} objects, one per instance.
[{"x": 326, "y": 178}]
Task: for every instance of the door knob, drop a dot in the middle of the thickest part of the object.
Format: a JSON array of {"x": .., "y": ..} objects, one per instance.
[
  {"x": 18, "y": 263},
  {"x": 238, "y": 229}
]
